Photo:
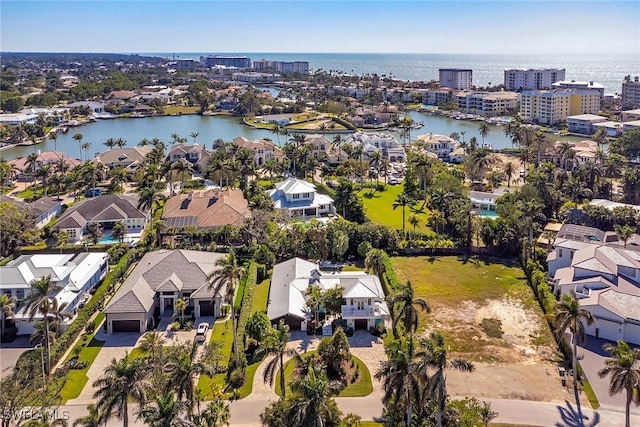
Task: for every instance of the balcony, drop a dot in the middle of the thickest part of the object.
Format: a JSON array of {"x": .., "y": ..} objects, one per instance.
[{"x": 349, "y": 311}]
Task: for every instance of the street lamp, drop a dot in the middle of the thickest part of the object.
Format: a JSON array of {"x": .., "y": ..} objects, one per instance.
[{"x": 44, "y": 378}]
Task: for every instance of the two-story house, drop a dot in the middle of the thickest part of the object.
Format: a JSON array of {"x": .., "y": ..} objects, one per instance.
[
  {"x": 72, "y": 277},
  {"x": 196, "y": 154},
  {"x": 299, "y": 199},
  {"x": 363, "y": 305},
  {"x": 605, "y": 277},
  {"x": 262, "y": 149},
  {"x": 440, "y": 145}
]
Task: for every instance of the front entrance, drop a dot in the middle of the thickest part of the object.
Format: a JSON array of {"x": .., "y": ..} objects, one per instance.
[
  {"x": 360, "y": 324},
  {"x": 168, "y": 303}
]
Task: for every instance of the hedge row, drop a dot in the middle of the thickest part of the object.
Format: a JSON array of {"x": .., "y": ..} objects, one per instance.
[
  {"x": 96, "y": 302},
  {"x": 393, "y": 283},
  {"x": 344, "y": 123},
  {"x": 247, "y": 300}
]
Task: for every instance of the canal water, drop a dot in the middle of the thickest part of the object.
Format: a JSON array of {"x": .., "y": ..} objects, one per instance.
[{"x": 210, "y": 128}]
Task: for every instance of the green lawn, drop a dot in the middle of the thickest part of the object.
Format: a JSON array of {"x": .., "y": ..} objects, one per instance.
[
  {"x": 370, "y": 424},
  {"x": 445, "y": 282},
  {"x": 362, "y": 387},
  {"x": 77, "y": 378},
  {"x": 222, "y": 333},
  {"x": 261, "y": 296},
  {"x": 379, "y": 209}
]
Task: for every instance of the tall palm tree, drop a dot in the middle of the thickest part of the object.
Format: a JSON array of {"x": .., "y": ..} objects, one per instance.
[
  {"x": 164, "y": 411},
  {"x": 78, "y": 137},
  {"x": 184, "y": 367},
  {"x": 275, "y": 344},
  {"x": 402, "y": 200},
  {"x": 152, "y": 343},
  {"x": 110, "y": 142},
  {"x": 313, "y": 405},
  {"x": 123, "y": 380},
  {"x": 7, "y": 305},
  {"x": 405, "y": 308},
  {"x": 433, "y": 356},
  {"x": 182, "y": 167},
  {"x": 624, "y": 369},
  {"x": 624, "y": 233},
  {"x": 86, "y": 146},
  {"x": 92, "y": 419},
  {"x": 510, "y": 172},
  {"x": 181, "y": 306},
  {"x": 570, "y": 316},
  {"x": 414, "y": 221},
  {"x": 216, "y": 413},
  {"x": 57, "y": 314},
  {"x": 54, "y": 136},
  {"x": 194, "y": 135},
  {"x": 481, "y": 159},
  {"x": 374, "y": 262},
  {"x": 150, "y": 198},
  {"x": 38, "y": 302},
  {"x": 227, "y": 277},
  {"x": 400, "y": 378},
  {"x": 484, "y": 130},
  {"x": 44, "y": 173}
]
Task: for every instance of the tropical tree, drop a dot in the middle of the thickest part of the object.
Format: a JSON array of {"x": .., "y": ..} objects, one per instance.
[
  {"x": 480, "y": 160},
  {"x": 181, "y": 306},
  {"x": 86, "y": 146},
  {"x": 150, "y": 198},
  {"x": 402, "y": 200},
  {"x": 110, "y": 142},
  {"x": 164, "y": 411},
  {"x": 152, "y": 343},
  {"x": 46, "y": 421},
  {"x": 405, "y": 309},
  {"x": 484, "y": 130},
  {"x": 216, "y": 413},
  {"x": 95, "y": 232},
  {"x": 7, "y": 305},
  {"x": 92, "y": 419},
  {"x": 184, "y": 368},
  {"x": 510, "y": 172},
  {"x": 624, "y": 233},
  {"x": 624, "y": 369},
  {"x": 119, "y": 231},
  {"x": 414, "y": 221},
  {"x": 194, "y": 135},
  {"x": 123, "y": 380},
  {"x": 227, "y": 277},
  {"x": 78, "y": 137},
  {"x": 399, "y": 377},
  {"x": 570, "y": 316},
  {"x": 313, "y": 405},
  {"x": 432, "y": 356},
  {"x": 275, "y": 344},
  {"x": 38, "y": 302},
  {"x": 182, "y": 167}
]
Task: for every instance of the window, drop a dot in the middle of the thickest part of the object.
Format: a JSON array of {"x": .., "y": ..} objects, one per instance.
[
  {"x": 296, "y": 196},
  {"x": 305, "y": 195},
  {"x": 571, "y": 254},
  {"x": 369, "y": 301},
  {"x": 560, "y": 252}
]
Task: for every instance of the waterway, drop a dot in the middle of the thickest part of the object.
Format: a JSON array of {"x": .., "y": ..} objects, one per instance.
[{"x": 210, "y": 128}]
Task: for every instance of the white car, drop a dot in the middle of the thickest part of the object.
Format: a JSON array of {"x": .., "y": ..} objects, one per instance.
[{"x": 202, "y": 331}]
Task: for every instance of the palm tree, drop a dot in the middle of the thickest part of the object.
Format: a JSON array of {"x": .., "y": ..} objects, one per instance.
[
  {"x": 275, "y": 344},
  {"x": 93, "y": 419},
  {"x": 40, "y": 334},
  {"x": 110, "y": 142},
  {"x": 78, "y": 137},
  {"x": 194, "y": 135},
  {"x": 228, "y": 277},
  {"x": 181, "y": 306},
  {"x": 123, "y": 380},
  {"x": 405, "y": 308},
  {"x": 403, "y": 200},
  {"x": 542, "y": 144},
  {"x": 484, "y": 130},
  {"x": 38, "y": 302},
  {"x": 481, "y": 159},
  {"x": 152, "y": 343},
  {"x": 45, "y": 421},
  {"x": 7, "y": 305},
  {"x": 486, "y": 414},
  {"x": 625, "y": 373},
  {"x": 44, "y": 172},
  {"x": 150, "y": 198},
  {"x": 184, "y": 368},
  {"x": 510, "y": 171},
  {"x": 119, "y": 231},
  {"x": 57, "y": 313},
  {"x": 182, "y": 166},
  {"x": 86, "y": 146},
  {"x": 164, "y": 411},
  {"x": 400, "y": 378},
  {"x": 54, "y": 136},
  {"x": 216, "y": 413},
  {"x": 312, "y": 405},
  {"x": 414, "y": 221},
  {"x": 569, "y": 315},
  {"x": 433, "y": 356}
]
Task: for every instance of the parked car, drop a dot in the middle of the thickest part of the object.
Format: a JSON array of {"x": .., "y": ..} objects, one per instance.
[
  {"x": 202, "y": 331},
  {"x": 93, "y": 192}
]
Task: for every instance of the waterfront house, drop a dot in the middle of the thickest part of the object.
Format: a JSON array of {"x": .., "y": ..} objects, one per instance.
[
  {"x": 41, "y": 210},
  {"x": 363, "y": 305},
  {"x": 584, "y": 123},
  {"x": 106, "y": 211},
  {"x": 484, "y": 203},
  {"x": 206, "y": 209},
  {"x": 16, "y": 119},
  {"x": 604, "y": 276},
  {"x": 22, "y": 166},
  {"x": 196, "y": 154},
  {"x": 72, "y": 277},
  {"x": 440, "y": 145},
  {"x": 158, "y": 281},
  {"x": 129, "y": 158},
  {"x": 299, "y": 199},
  {"x": 261, "y": 149}
]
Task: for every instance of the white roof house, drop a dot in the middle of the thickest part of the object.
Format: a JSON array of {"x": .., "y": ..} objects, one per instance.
[
  {"x": 299, "y": 199},
  {"x": 606, "y": 279},
  {"x": 364, "y": 305},
  {"x": 72, "y": 276}
]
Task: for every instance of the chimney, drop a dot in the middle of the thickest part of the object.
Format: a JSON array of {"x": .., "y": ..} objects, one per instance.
[
  {"x": 190, "y": 195},
  {"x": 39, "y": 152}
]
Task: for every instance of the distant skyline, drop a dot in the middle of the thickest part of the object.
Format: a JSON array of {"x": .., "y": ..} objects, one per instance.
[{"x": 501, "y": 27}]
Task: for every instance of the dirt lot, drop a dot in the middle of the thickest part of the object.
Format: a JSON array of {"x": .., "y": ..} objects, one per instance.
[{"x": 487, "y": 314}]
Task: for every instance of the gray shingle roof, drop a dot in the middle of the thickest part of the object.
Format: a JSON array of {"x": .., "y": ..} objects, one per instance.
[{"x": 101, "y": 208}]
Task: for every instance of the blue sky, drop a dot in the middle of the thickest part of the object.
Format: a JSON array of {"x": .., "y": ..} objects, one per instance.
[{"x": 529, "y": 27}]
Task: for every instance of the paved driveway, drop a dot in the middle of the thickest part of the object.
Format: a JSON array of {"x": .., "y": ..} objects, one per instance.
[
  {"x": 10, "y": 352},
  {"x": 592, "y": 357}
]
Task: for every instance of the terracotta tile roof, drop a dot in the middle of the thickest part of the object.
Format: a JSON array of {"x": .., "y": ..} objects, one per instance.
[{"x": 210, "y": 209}]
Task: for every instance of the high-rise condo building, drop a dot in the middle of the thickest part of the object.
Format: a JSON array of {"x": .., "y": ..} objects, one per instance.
[
  {"x": 532, "y": 79},
  {"x": 554, "y": 106},
  {"x": 456, "y": 78},
  {"x": 227, "y": 61},
  {"x": 630, "y": 92}
]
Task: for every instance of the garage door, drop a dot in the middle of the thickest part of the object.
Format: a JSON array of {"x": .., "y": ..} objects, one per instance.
[
  {"x": 206, "y": 308},
  {"x": 607, "y": 330},
  {"x": 632, "y": 333},
  {"x": 361, "y": 324},
  {"x": 125, "y": 325}
]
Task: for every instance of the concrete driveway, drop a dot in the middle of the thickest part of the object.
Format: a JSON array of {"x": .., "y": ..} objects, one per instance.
[
  {"x": 592, "y": 357},
  {"x": 10, "y": 352}
]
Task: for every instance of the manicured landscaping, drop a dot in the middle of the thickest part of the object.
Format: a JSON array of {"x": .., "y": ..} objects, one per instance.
[
  {"x": 77, "y": 378},
  {"x": 261, "y": 296},
  {"x": 361, "y": 387},
  {"x": 223, "y": 334},
  {"x": 177, "y": 109},
  {"x": 379, "y": 209}
]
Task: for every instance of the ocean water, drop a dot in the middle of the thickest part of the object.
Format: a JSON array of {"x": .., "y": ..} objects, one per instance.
[{"x": 608, "y": 70}]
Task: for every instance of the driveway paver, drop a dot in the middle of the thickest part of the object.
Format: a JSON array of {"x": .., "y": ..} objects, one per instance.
[{"x": 10, "y": 352}]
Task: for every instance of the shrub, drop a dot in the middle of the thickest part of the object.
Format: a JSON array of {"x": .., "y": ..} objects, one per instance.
[
  {"x": 237, "y": 377},
  {"x": 247, "y": 301}
]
